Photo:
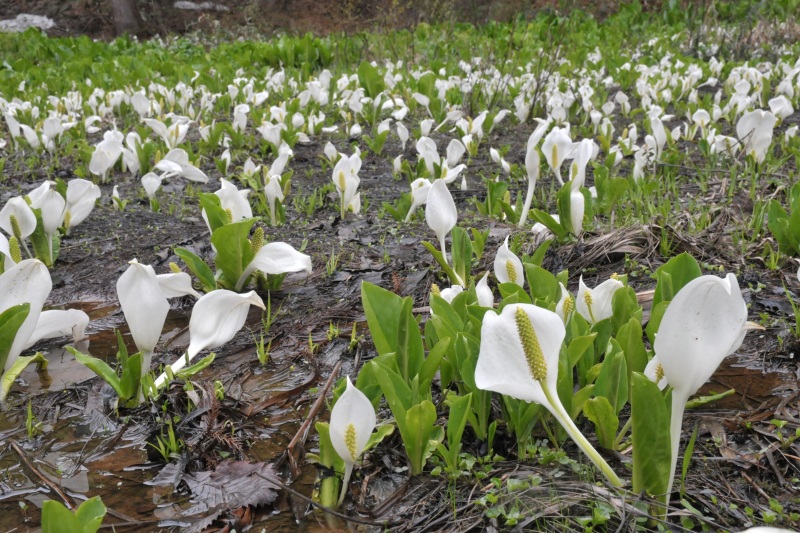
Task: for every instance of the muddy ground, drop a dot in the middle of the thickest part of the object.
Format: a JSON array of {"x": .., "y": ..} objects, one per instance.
[{"x": 85, "y": 449}]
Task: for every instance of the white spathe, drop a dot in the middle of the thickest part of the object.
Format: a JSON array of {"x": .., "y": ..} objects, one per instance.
[
  {"x": 595, "y": 304},
  {"x": 703, "y": 324},
  {"x": 216, "y": 318},
  {"x": 26, "y": 282},
  {"x": 507, "y": 266},
  {"x": 352, "y": 422},
  {"x": 440, "y": 212},
  {"x": 275, "y": 258}
]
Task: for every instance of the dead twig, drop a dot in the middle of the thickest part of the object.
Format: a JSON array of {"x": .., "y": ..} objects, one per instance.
[
  {"x": 30, "y": 466},
  {"x": 302, "y": 433}
]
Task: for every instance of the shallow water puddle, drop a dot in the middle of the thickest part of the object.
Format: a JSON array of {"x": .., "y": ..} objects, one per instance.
[{"x": 88, "y": 453}]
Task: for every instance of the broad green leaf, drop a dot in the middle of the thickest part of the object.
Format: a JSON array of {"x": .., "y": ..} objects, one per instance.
[
  {"x": 612, "y": 383},
  {"x": 199, "y": 268},
  {"x": 56, "y": 518},
  {"x": 625, "y": 307},
  {"x": 431, "y": 364},
  {"x": 410, "y": 352},
  {"x": 605, "y": 420},
  {"x": 16, "y": 369},
  {"x": 217, "y": 217},
  {"x": 382, "y": 431},
  {"x": 233, "y": 249},
  {"x": 90, "y": 514},
  {"x": 10, "y": 321},
  {"x": 579, "y": 399},
  {"x": 420, "y": 423},
  {"x": 543, "y": 285},
  {"x": 651, "y": 440},
  {"x": 550, "y": 223},
  {"x": 673, "y": 275},
  {"x": 630, "y": 340},
  {"x": 131, "y": 377},
  {"x": 383, "y": 310},
  {"x": 369, "y": 77},
  {"x": 101, "y": 368}
]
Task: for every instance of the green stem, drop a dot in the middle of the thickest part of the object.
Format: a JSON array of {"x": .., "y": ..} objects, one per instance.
[
  {"x": 622, "y": 433},
  {"x": 555, "y": 407}
]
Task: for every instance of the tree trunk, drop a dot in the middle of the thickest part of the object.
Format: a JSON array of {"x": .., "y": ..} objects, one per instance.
[{"x": 126, "y": 17}]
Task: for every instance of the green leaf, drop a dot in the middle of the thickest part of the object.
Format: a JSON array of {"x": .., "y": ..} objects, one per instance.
[
  {"x": 10, "y": 321},
  {"x": 101, "y": 368},
  {"x": 131, "y": 377},
  {"x": 624, "y": 307},
  {"x": 652, "y": 450},
  {"x": 369, "y": 77},
  {"x": 90, "y": 514},
  {"x": 56, "y": 518},
  {"x": 383, "y": 431},
  {"x": 580, "y": 398},
  {"x": 550, "y": 223},
  {"x": 431, "y": 364},
  {"x": 16, "y": 369},
  {"x": 605, "y": 420},
  {"x": 420, "y": 426},
  {"x": 383, "y": 310},
  {"x": 199, "y": 366},
  {"x": 456, "y": 422},
  {"x": 543, "y": 285},
  {"x": 199, "y": 268},
  {"x": 461, "y": 252},
  {"x": 612, "y": 383},
  {"x": 410, "y": 352},
  {"x": 539, "y": 253},
  {"x": 445, "y": 266},
  {"x": 630, "y": 340},
  {"x": 705, "y": 400},
  {"x": 233, "y": 249},
  {"x": 673, "y": 275},
  {"x": 217, "y": 217}
]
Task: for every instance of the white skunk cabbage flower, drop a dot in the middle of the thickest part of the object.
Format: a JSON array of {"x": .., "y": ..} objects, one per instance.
[
  {"x": 557, "y": 147},
  {"x": 26, "y": 282},
  {"x": 176, "y": 163},
  {"x": 754, "y": 130},
  {"x": 420, "y": 188},
  {"x": 507, "y": 266},
  {"x": 345, "y": 179},
  {"x": 17, "y": 219},
  {"x": 59, "y": 323},
  {"x": 519, "y": 357},
  {"x": 703, "y": 324},
  {"x": 484, "y": 292},
  {"x": 275, "y": 258},
  {"x": 440, "y": 212},
  {"x": 595, "y": 304},
  {"x": 81, "y": 196},
  {"x": 352, "y": 422},
  {"x": 145, "y": 308},
  {"x": 216, "y": 318}
]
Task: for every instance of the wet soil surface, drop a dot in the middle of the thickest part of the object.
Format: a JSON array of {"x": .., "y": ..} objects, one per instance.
[{"x": 85, "y": 448}]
